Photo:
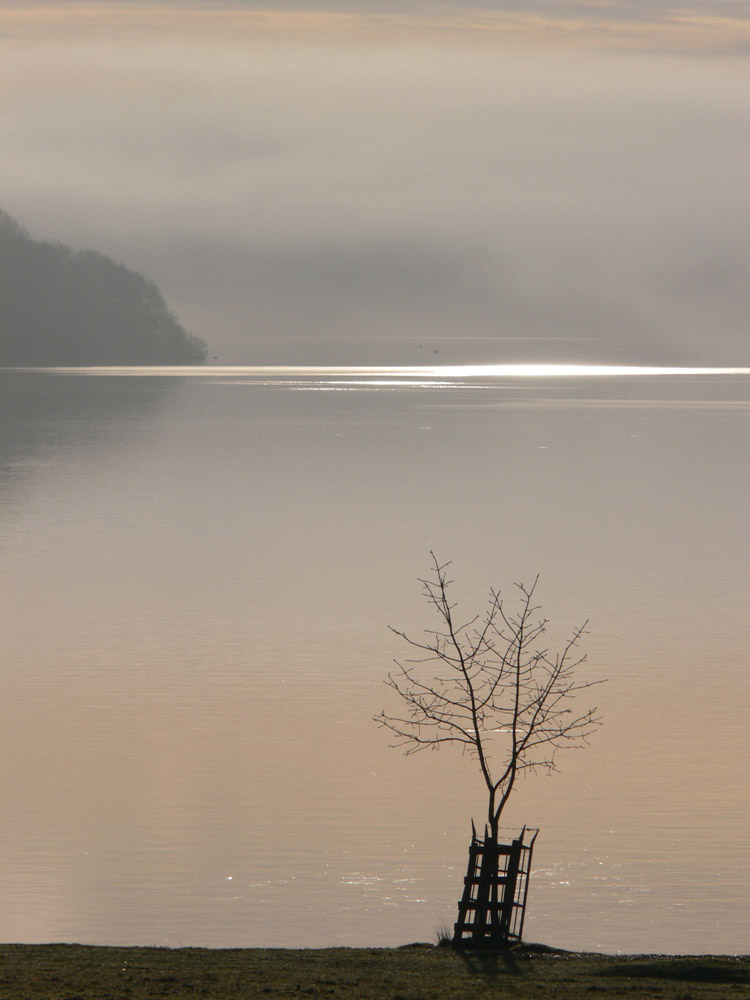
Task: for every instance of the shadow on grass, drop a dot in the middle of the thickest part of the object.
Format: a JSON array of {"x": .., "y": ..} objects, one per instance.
[
  {"x": 489, "y": 962},
  {"x": 685, "y": 970}
]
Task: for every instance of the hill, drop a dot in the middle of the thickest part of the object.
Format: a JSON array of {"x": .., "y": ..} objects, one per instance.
[{"x": 59, "y": 306}]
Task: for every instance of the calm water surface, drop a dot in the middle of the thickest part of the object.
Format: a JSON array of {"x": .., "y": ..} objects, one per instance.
[{"x": 197, "y": 572}]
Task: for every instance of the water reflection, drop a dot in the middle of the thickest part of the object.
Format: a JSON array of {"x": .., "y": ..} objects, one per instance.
[{"x": 43, "y": 414}]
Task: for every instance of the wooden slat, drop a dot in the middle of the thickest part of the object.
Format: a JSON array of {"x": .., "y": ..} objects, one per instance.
[
  {"x": 472, "y": 905},
  {"x": 501, "y": 849},
  {"x": 475, "y": 880}
]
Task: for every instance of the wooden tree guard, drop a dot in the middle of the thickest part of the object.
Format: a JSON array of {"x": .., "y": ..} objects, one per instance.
[{"x": 492, "y": 909}]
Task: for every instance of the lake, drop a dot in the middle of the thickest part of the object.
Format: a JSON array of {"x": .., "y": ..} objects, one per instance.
[{"x": 198, "y": 568}]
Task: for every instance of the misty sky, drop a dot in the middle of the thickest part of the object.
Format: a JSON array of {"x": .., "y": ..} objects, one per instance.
[{"x": 375, "y": 182}]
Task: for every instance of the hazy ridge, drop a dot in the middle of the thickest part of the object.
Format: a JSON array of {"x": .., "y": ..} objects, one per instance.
[{"x": 59, "y": 306}]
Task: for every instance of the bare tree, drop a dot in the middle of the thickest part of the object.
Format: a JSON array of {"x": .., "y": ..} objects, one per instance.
[{"x": 490, "y": 686}]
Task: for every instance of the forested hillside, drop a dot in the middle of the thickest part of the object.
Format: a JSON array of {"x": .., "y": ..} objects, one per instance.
[{"x": 64, "y": 307}]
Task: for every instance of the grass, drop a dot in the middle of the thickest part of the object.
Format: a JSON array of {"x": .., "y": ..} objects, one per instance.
[{"x": 413, "y": 972}]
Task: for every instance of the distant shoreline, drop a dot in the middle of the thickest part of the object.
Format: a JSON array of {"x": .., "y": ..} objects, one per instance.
[{"x": 416, "y": 972}]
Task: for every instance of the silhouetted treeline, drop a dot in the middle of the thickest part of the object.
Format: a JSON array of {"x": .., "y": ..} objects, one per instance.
[{"x": 62, "y": 307}]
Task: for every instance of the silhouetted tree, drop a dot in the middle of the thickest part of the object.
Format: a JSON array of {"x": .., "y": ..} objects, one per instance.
[{"x": 490, "y": 687}]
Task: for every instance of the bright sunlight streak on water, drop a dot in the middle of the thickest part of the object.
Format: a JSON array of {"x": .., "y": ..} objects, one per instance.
[{"x": 438, "y": 375}]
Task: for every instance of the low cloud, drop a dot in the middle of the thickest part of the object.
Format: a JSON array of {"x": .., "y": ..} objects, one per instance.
[{"x": 715, "y": 26}]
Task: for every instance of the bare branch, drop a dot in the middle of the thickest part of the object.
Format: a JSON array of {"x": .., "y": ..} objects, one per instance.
[{"x": 490, "y": 686}]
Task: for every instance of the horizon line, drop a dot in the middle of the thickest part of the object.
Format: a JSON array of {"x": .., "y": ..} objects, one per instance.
[{"x": 516, "y": 370}]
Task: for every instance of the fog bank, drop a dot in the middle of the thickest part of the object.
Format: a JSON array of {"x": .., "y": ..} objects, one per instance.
[{"x": 302, "y": 200}]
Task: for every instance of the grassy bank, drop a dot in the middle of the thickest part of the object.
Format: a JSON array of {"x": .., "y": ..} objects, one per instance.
[{"x": 414, "y": 972}]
